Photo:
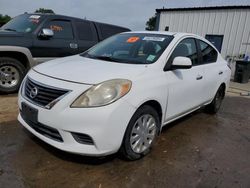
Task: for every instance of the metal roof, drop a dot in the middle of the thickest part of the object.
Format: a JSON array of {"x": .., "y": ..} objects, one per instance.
[
  {"x": 202, "y": 8},
  {"x": 204, "y": 5}
]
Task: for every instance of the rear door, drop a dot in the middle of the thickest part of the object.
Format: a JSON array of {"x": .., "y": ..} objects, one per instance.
[
  {"x": 216, "y": 40},
  {"x": 86, "y": 35},
  {"x": 62, "y": 44},
  {"x": 185, "y": 85},
  {"x": 213, "y": 70}
]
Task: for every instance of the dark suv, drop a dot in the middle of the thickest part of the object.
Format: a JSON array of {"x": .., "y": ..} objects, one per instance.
[{"x": 30, "y": 39}]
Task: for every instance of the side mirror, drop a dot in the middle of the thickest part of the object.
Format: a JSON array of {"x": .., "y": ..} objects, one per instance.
[
  {"x": 181, "y": 63},
  {"x": 46, "y": 33}
]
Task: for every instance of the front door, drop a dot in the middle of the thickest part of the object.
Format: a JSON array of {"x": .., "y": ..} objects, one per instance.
[
  {"x": 213, "y": 70},
  {"x": 62, "y": 44},
  {"x": 185, "y": 85}
]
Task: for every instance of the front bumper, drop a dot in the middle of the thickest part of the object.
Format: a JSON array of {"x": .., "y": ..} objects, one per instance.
[{"x": 105, "y": 125}]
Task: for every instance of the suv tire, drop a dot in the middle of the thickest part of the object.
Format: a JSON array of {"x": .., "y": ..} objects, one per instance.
[{"x": 12, "y": 73}]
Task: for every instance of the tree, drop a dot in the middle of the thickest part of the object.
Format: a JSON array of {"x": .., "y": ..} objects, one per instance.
[
  {"x": 4, "y": 19},
  {"x": 44, "y": 10},
  {"x": 151, "y": 23}
]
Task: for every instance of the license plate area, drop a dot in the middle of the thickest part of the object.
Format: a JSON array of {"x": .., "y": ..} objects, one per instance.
[{"x": 29, "y": 113}]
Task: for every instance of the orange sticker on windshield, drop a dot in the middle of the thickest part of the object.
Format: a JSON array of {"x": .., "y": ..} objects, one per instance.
[{"x": 133, "y": 39}]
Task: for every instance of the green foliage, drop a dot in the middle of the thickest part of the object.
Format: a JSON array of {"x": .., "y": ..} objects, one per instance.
[
  {"x": 4, "y": 19},
  {"x": 44, "y": 10},
  {"x": 151, "y": 23}
]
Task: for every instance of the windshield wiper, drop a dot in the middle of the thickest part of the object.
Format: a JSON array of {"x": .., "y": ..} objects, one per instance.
[
  {"x": 109, "y": 58},
  {"x": 9, "y": 29},
  {"x": 105, "y": 58}
]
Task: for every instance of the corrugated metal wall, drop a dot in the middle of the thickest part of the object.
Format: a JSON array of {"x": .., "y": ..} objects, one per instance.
[{"x": 234, "y": 24}]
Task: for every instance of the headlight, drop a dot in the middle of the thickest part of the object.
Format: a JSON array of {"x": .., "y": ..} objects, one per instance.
[{"x": 103, "y": 93}]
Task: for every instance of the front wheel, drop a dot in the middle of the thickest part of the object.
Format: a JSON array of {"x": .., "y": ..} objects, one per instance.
[
  {"x": 12, "y": 73},
  {"x": 140, "y": 134},
  {"x": 215, "y": 105}
]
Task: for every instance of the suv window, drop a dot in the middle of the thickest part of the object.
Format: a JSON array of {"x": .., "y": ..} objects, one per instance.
[
  {"x": 85, "y": 31},
  {"x": 109, "y": 30},
  {"x": 186, "y": 48},
  {"x": 208, "y": 53},
  {"x": 62, "y": 29}
]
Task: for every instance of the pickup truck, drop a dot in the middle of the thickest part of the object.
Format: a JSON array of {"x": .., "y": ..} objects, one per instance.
[{"x": 30, "y": 39}]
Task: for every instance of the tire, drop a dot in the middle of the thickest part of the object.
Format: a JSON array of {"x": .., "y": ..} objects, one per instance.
[
  {"x": 12, "y": 73},
  {"x": 136, "y": 146},
  {"x": 215, "y": 105}
]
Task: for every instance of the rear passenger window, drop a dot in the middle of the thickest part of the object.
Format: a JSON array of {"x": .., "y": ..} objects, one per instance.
[
  {"x": 186, "y": 48},
  {"x": 85, "y": 31},
  {"x": 62, "y": 29},
  {"x": 109, "y": 30},
  {"x": 208, "y": 53}
]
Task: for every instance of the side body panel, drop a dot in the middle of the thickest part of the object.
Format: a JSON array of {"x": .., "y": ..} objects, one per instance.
[{"x": 185, "y": 91}]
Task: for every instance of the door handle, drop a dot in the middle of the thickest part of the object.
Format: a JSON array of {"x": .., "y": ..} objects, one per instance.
[
  {"x": 73, "y": 45},
  {"x": 199, "y": 77},
  {"x": 221, "y": 72}
]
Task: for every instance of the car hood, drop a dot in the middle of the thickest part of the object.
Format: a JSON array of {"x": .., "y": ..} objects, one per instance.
[
  {"x": 4, "y": 33},
  {"x": 88, "y": 71},
  {"x": 11, "y": 38}
]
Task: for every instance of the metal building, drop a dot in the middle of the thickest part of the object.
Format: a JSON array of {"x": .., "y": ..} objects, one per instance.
[{"x": 227, "y": 27}]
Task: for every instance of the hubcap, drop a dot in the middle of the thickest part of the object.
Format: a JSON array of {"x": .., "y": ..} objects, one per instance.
[
  {"x": 143, "y": 133},
  {"x": 9, "y": 76}
]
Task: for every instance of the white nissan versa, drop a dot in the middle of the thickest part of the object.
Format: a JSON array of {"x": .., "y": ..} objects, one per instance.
[{"x": 119, "y": 94}]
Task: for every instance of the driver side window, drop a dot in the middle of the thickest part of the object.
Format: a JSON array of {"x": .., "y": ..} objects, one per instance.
[
  {"x": 186, "y": 48},
  {"x": 62, "y": 29}
]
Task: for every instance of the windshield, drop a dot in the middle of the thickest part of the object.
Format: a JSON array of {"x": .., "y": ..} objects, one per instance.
[
  {"x": 133, "y": 48},
  {"x": 25, "y": 23}
]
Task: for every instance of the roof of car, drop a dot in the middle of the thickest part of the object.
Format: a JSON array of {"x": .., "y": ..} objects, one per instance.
[
  {"x": 52, "y": 14},
  {"x": 70, "y": 17},
  {"x": 179, "y": 34}
]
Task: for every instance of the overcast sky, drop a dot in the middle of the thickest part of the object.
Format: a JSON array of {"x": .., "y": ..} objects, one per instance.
[{"x": 129, "y": 13}]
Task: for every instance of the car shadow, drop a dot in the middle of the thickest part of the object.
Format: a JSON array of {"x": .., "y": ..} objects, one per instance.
[
  {"x": 14, "y": 95},
  {"x": 183, "y": 119},
  {"x": 90, "y": 160}
]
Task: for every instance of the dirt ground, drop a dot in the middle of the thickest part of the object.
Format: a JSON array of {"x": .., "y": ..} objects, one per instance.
[{"x": 199, "y": 150}]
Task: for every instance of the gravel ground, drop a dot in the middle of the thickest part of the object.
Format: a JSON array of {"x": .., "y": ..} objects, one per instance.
[{"x": 199, "y": 150}]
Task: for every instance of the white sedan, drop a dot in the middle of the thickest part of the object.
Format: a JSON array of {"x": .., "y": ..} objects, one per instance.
[{"x": 119, "y": 94}]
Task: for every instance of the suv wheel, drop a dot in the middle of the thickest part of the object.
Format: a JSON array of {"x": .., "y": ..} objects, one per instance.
[
  {"x": 214, "y": 106},
  {"x": 140, "y": 134},
  {"x": 12, "y": 73}
]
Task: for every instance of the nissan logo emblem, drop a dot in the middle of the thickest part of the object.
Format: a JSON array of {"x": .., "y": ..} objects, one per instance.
[{"x": 33, "y": 92}]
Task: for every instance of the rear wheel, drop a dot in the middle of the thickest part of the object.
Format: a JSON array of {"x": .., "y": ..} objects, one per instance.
[
  {"x": 215, "y": 105},
  {"x": 140, "y": 134},
  {"x": 12, "y": 73}
]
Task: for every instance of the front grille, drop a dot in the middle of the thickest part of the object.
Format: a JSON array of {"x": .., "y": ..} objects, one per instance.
[
  {"x": 44, "y": 130},
  {"x": 83, "y": 138},
  {"x": 41, "y": 94}
]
